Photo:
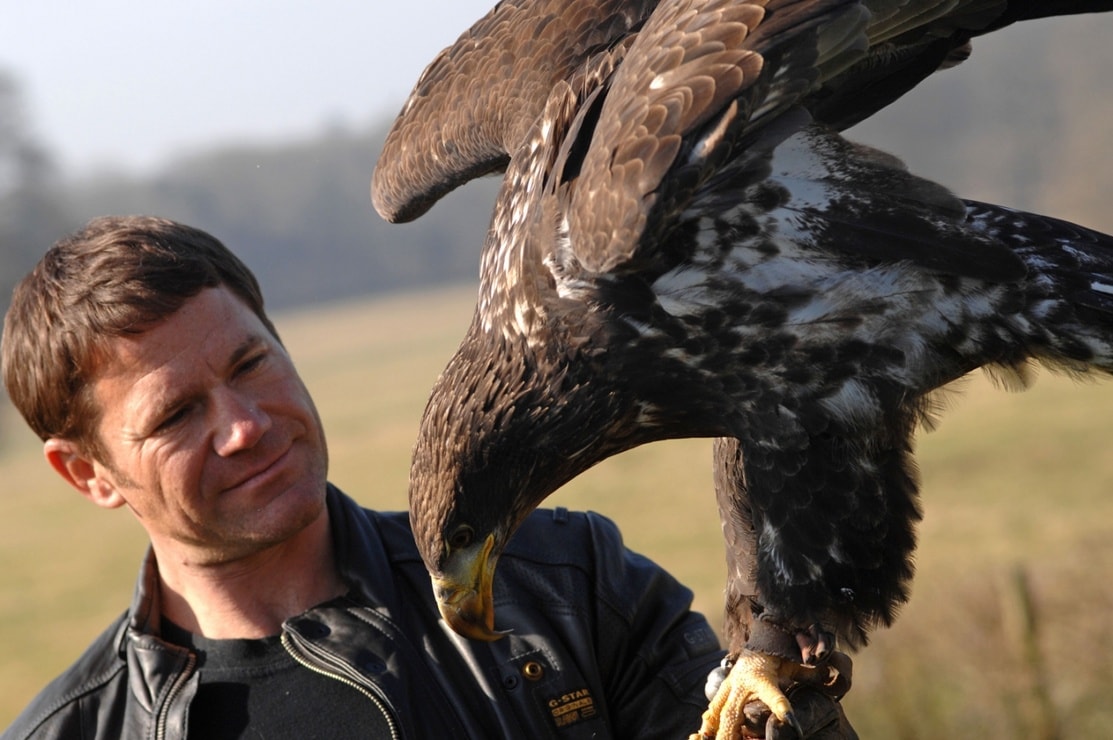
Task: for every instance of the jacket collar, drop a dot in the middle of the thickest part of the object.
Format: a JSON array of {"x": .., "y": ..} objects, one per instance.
[
  {"x": 146, "y": 613},
  {"x": 360, "y": 555},
  {"x": 361, "y": 552}
]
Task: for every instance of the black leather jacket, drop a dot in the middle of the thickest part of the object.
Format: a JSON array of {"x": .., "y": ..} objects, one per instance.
[{"x": 603, "y": 645}]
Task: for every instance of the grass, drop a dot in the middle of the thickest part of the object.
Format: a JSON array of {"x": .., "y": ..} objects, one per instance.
[{"x": 1010, "y": 480}]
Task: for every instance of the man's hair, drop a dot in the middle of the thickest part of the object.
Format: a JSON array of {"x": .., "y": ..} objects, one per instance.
[{"x": 118, "y": 275}]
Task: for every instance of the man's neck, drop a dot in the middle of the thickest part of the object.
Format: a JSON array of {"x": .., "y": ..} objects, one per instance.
[{"x": 250, "y": 597}]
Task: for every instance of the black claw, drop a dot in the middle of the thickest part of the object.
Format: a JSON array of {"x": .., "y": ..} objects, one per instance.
[
  {"x": 823, "y": 643},
  {"x": 790, "y": 718}
]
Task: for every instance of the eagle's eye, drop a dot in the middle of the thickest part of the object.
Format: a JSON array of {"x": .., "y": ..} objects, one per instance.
[{"x": 461, "y": 537}]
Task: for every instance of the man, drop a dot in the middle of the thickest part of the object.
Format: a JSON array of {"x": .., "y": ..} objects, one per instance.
[{"x": 270, "y": 604}]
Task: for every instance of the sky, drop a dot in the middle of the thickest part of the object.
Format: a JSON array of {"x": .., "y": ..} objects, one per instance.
[
  {"x": 122, "y": 84},
  {"x": 132, "y": 84}
]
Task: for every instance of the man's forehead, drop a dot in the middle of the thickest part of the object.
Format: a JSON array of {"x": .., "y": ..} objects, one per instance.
[{"x": 211, "y": 328}]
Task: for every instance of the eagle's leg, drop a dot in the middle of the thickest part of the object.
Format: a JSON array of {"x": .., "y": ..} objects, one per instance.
[
  {"x": 758, "y": 680},
  {"x": 815, "y": 644}
]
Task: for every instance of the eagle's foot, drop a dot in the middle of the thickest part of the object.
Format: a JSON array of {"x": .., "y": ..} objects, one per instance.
[{"x": 751, "y": 701}]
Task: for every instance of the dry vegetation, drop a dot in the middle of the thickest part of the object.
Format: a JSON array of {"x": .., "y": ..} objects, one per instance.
[{"x": 1010, "y": 480}]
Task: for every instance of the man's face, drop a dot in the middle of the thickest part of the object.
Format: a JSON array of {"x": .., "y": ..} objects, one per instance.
[{"x": 210, "y": 437}]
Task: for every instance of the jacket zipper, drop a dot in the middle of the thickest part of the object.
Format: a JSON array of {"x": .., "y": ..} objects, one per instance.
[
  {"x": 179, "y": 682},
  {"x": 294, "y": 646}
]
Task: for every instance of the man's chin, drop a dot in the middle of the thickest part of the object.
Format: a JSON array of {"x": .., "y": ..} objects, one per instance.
[{"x": 272, "y": 516}]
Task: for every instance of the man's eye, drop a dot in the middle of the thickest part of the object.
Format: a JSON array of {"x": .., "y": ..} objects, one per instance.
[
  {"x": 251, "y": 363},
  {"x": 172, "y": 420}
]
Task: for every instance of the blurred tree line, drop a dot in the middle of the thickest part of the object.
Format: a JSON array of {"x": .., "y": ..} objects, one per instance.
[
  {"x": 298, "y": 213},
  {"x": 30, "y": 207}
]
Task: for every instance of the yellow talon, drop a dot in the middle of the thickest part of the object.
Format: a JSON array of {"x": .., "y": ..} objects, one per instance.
[{"x": 762, "y": 678}]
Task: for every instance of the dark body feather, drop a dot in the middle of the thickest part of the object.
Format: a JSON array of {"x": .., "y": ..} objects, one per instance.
[{"x": 685, "y": 247}]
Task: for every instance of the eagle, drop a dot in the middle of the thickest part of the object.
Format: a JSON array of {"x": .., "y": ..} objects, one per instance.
[{"x": 684, "y": 245}]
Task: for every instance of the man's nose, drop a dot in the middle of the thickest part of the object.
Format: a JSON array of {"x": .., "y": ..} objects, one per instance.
[{"x": 240, "y": 423}]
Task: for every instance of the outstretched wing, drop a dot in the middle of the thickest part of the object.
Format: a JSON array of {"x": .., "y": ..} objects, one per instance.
[
  {"x": 474, "y": 103},
  {"x": 699, "y": 77},
  {"x": 704, "y": 117}
]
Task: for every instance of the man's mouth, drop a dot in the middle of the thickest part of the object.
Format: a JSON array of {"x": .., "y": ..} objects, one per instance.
[{"x": 261, "y": 475}]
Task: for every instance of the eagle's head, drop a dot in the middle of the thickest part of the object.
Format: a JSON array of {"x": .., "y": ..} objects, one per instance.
[
  {"x": 501, "y": 431},
  {"x": 463, "y": 585},
  {"x": 476, "y": 474},
  {"x": 467, "y": 497}
]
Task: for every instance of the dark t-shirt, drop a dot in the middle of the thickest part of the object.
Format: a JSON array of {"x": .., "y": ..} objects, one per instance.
[{"x": 255, "y": 689}]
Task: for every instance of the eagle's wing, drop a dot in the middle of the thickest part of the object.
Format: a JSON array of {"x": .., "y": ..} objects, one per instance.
[
  {"x": 688, "y": 127},
  {"x": 475, "y": 101},
  {"x": 698, "y": 77}
]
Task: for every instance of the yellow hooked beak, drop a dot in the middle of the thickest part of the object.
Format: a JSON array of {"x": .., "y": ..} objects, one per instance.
[{"x": 464, "y": 593}]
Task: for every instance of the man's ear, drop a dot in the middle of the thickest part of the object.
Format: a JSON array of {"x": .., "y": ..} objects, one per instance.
[{"x": 82, "y": 473}]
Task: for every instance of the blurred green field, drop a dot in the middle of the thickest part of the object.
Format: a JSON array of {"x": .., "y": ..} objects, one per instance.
[{"x": 1009, "y": 480}]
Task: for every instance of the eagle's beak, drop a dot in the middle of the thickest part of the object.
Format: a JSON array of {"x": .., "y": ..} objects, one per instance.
[{"x": 464, "y": 592}]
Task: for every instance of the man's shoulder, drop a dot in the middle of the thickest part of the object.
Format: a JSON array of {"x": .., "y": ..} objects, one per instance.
[
  {"x": 56, "y": 705},
  {"x": 559, "y": 536}
]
